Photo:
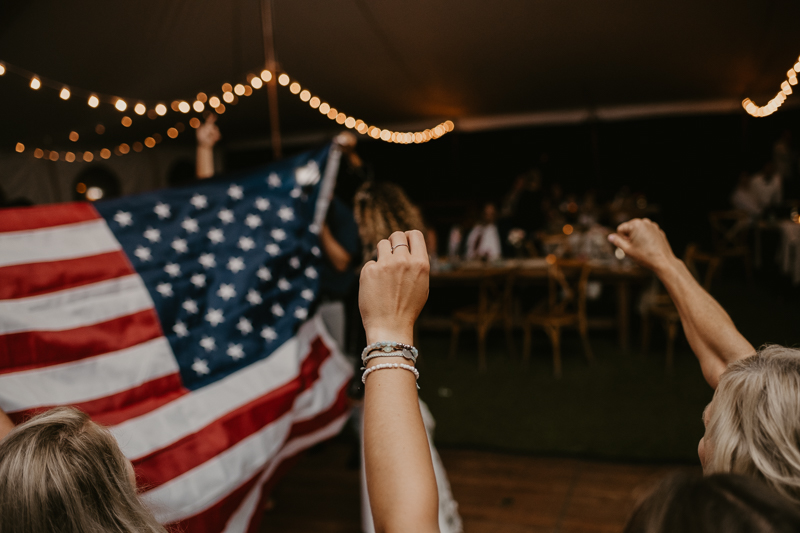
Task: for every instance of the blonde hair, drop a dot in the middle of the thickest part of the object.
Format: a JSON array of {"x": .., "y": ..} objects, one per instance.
[
  {"x": 62, "y": 473},
  {"x": 754, "y": 426},
  {"x": 381, "y": 208}
]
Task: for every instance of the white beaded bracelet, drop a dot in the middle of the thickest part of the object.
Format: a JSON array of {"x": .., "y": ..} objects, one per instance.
[
  {"x": 381, "y": 366},
  {"x": 397, "y": 353}
]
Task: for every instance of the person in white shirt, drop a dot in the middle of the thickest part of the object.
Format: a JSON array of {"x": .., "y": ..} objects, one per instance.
[
  {"x": 754, "y": 194},
  {"x": 483, "y": 241}
]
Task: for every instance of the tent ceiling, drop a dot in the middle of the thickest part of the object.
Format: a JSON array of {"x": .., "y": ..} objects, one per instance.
[{"x": 388, "y": 62}]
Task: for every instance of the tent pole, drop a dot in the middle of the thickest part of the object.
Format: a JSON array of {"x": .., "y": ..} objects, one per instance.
[{"x": 272, "y": 84}]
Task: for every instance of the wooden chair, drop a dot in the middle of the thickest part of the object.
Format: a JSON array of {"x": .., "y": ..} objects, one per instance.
[
  {"x": 729, "y": 232},
  {"x": 493, "y": 295},
  {"x": 661, "y": 306},
  {"x": 565, "y": 307}
]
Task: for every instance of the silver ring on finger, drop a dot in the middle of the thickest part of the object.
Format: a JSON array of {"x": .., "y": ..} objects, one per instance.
[{"x": 399, "y": 245}]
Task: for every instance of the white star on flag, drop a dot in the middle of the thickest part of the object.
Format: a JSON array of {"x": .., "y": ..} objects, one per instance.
[
  {"x": 180, "y": 329},
  {"x": 173, "y": 269},
  {"x": 142, "y": 253},
  {"x": 284, "y": 285},
  {"x": 198, "y": 280},
  {"x": 252, "y": 221},
  {"x": 200, "y": 366},
  {"x": 278, "y": 234},
  {"x": 307, "y": 294},
  {"x": 207, "y": 260},
  {"x": 262, "y": 204},
  {"x": 215, "y": 317},
  {"x": 264, "y": 274},
  {"x": 190, "y": 225},
  {"x": 123, "y": 218},
  {"x": 199, "y": 201},
  {"x": 164, "y": 289},
  {"x": 235, "y": 351},
  {"x": 215, "y": 235},
  {"x": 246, "y": 243},
  {"x": 226, "y": 216},
  {"x": 311, "y": 272},
  {"x": 190, "y": 306},
  {"x": 180, "y": 246},
  {"x": 301, "y": 313},
  {"x": 295, "y": 193},
  {"x": 226, "y": 291},
  {"x": 277, "y": 310},
  {"x": 244, "y": 326},
  {"x": 273, "y": 180},
  {"x": 316, "y": 251},
  {"x": 294, "y": 262},
  {"x": 235, "y": 192},
  {"x": 162, "y": 210},
  {"x": 286, "y": 213},
  {"x": 269, "y": 334},
  {"x": 152, "y": 235},
  {"x": 272, "y": 249},
  {"x": 253, "y": 297},
  {"x": 208, "y": 343},
  {"x": 235, "y": 264}
]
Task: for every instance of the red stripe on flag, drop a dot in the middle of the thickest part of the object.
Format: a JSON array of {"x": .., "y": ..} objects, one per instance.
[
  {"x": 36, "y": 349},
  {"x": 188, "y": 453},
  {"x": 20, "y": 281},
  {"x": 116, "y": 408},
  {"x": 46, "y": 216}
]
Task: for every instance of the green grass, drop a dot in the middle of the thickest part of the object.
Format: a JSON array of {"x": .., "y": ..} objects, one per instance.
[{"x": 624, "y": 407}]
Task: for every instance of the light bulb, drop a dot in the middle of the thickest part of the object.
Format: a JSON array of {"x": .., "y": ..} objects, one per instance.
[
  {"x": 20, "y": 147},
  {"x": 198, "y": 106},
  {"x": 150, "y": 142},
  {"x": 2, "y": 69},
  {"x": 94, "y": 101},
  {"x": 121, "y": 104},
  {"x": 161, "y": 109},
  {"x": 256, "y": 83},
  {"x": 305, "y": 95},
  {"x": 140, "y": 109},
  {"x": 314, "y": 102},
  {"x": 88, "y": 157},
  {"x": 213, "y": 101},
  {"x": 64, "y": 94},
  {"x": 228, "y": 97},
  {"x": 350, "y": 122},
  {"x": 184, "y": 107},
  {"x": 239, "y": 89},
  {"x": 294, "y": 88},
  {"x": 35, "y": 84},
  {"x": 73, "y": 136},
  {"x": 283, "y": 79}
]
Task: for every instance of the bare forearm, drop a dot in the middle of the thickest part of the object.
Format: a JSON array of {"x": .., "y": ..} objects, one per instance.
[
  {"x": 205, "y": 162},
  {"x": 711, "y": 333},
  {"x": 6, "y": 424},
  {"x": 335, "y": 252},
  {"x": 400, "y": 477}
]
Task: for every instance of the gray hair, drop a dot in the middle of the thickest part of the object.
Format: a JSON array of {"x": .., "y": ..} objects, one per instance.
[
  {"x": 754, "y": 426},
  {"x": 62, "y": 473}
]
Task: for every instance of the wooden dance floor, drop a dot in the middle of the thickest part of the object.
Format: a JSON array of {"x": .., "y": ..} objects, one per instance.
[{"x": 497, "y": 493}]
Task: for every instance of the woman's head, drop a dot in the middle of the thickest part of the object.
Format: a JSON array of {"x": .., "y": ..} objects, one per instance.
[
  {"x": 722, "y": 503},
  {"x": 753, "y": 423},
  {"x": 60, "y": 472},
  {"x": 381, "y": 208}
]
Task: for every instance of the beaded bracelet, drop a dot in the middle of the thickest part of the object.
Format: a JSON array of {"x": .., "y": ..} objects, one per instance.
[
  {"x": 388, "y": 346},
  {"x": 397, "y": 353},
  {"x": 382, "y": 366}
]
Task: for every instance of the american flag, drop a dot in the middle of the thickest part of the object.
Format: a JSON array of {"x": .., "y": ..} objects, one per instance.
[{"x": 182, "y": 319}]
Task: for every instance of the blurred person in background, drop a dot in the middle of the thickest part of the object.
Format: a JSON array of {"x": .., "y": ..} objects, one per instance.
[{"x": 483, "y": 241}]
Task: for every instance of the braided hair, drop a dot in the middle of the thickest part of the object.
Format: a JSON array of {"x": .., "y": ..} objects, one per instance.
[{"x": 382, "y": 208}]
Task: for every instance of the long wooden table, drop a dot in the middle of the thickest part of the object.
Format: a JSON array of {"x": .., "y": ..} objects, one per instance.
[{"x": 473, "y": 274}]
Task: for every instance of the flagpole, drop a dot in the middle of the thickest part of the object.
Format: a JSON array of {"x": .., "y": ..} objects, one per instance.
[{"x": 272, "y": 84}]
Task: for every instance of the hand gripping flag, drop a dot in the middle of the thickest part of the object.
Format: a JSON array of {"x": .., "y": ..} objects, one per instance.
[{"x": 182, "y": 319}]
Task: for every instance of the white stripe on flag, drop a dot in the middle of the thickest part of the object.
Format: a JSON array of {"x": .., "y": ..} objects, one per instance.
[
  {"x": 77, "y": 307},
  {"x": 240, "y": 520},
  {"x": 190, "y": 413},
  {"x": 69, "y": 241},
  {"x": 87, "y": 379}
]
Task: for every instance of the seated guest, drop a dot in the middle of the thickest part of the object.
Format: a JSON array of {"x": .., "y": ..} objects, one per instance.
[
  {"x": 755, "y": 194},
  {"x": 722, "y": 503},
  {"x": 483, "y": 241},
  {"x": 62, "y": 473}
]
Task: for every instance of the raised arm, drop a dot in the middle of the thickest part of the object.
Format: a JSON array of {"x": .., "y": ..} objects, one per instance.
[
  {"x": 207, "y": 136},
  {"x": 6, "y": 424},
  {"x": 711, "y": 333},
  {"x": 400, "y": 478}
]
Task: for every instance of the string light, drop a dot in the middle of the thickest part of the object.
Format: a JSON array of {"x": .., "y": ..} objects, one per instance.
[
  {"x": 121, "y": 104},
  {"x": 64, "y": 94},
  {"x": 755, "y": 110},
  {"x": 2, "y": 69},
  {"x": 20, "y": 148},
  {"x": 94, "y": 101},
  {"x": 161, "y": 110},
  {"x": 140, "y": 109},
  {"x": 35, "y": 84}
]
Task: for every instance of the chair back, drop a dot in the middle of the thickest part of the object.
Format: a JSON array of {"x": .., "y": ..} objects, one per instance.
[
  {"x": 729, "y": 231},
  {"x": 567, "y": 281},
  {"x": 694, "y": 257}
]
